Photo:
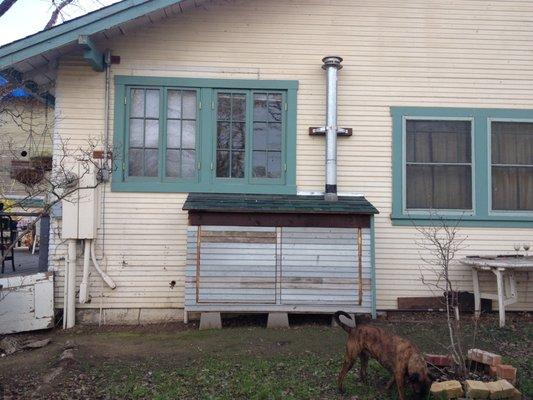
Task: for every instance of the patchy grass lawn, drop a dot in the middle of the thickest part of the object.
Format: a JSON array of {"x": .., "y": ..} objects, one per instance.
[{"x": 239, "y": 362}]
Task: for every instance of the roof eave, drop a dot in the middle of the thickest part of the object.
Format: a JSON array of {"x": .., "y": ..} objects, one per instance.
[{"x": 70, "y": 31}]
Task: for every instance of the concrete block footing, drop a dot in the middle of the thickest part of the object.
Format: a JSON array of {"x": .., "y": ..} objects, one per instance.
[
  {"x": 278, "y": 320},
  {"x": 210, "y": 320}
]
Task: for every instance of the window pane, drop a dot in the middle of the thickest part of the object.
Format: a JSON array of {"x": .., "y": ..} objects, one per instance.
[
  {"x": 172, "y": 164},
  {"x": 512, "y": 188},
  {"x": 152, "y": 103},
  {"x": 223, "y": 135},
  {"x": 135, "y": 164},
  {"x": 438, "y": 187},
  {"x": 259, "y": 164},
  {"x": 260, "y": 107},
  {"x": 150, "y": 162},
  {"x": 237, "y": 164},
  {"x": 189, "y": 104},
  {"x": 274, "y": 164},
  {"x": 237, "y": 135},
  {"x": 137, "y": 103},
  {"x": 438, "y": 141},
  {"x": 512, "y": 165},
  {"x": 151, "y": 138},
  {"x": 512, "y": 143},
  {"x": 224, "y": 106},
  {"x": 173, "y": 134},
  {"x": 274, "y": 136},
  {"x": 260, "y": 136},
  {"x": 174, "y": 104},
  {"x": 188, "y": 163},
  {"x": 136, "y": 132},
  {"x": 189, "y": 134},
  {"x": 239, "y": 107},
  {"x": 223, "y": 164},
  {"x": 274, "y": 107}
]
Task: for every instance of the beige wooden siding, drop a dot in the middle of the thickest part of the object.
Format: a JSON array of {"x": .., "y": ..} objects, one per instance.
[{"x": 415, "y": 52}]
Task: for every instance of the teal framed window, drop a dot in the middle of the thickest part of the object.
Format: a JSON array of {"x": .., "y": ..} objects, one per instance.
[
  {"x": 472, "y": 166},
  {"x": 204, "y": 135}
]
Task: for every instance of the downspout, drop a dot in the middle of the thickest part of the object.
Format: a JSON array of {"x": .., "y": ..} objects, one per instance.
[
  {"x": 84, "y": 285},
  {"x": 69, "y": 319},
  {"x": 332, "y": 65},
  {"x": 106, "y": 167}
]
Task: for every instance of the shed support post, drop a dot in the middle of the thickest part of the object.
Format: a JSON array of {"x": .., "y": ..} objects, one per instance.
[
  {"x": 210, "y": 320},
  {"x": 278, "y": 320}
]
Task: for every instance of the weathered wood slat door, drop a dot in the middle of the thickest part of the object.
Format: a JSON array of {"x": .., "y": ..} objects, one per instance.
[
  {"x": 237, "y": 265},
  {"x": 322, "y": 266}
]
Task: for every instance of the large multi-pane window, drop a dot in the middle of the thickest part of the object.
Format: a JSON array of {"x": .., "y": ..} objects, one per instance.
[
  {"x": 512, "y": 165},
  {"x": 206, "y": 138},
  {"x": 470, "y": 165}
]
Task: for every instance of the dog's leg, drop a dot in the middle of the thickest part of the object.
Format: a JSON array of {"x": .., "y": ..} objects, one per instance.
[
  {"x": 390, "y": 383},
  {"x": 399, "y": 377},
  {"x": 364, "y": 364},
  {"x": 346, "y": 366}
]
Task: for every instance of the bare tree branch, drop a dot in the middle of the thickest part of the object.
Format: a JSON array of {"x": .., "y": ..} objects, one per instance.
[
  {"x": 5, "y": 5},
  {"x": 57, "y": 12}
]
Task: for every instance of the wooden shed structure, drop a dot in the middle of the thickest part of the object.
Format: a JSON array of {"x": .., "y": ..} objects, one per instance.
[{"x": 279, "y": 253}]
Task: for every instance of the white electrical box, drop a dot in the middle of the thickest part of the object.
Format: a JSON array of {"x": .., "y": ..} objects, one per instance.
[{"x": 80, "y": 210}]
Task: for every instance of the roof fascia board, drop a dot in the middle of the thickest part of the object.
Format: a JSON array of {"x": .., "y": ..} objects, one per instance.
[{"x": 70, "y": 31}]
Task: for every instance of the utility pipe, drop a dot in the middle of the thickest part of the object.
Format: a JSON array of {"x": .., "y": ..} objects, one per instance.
[
  {"x": 107, "y": 279},
  {"x": 84, "y": 286},
  {"x": 70, "y": 281},
  {"x": 332, "y": 64}
]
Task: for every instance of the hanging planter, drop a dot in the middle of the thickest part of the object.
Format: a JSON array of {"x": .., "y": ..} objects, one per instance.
[
  {"x": 17, "y": 166},
  {"x": 29, "y": 176},
  {"x": 42, "y": 163}
]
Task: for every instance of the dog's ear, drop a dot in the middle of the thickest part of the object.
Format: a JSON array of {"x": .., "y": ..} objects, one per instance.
[{"x": 414, "y": 377}]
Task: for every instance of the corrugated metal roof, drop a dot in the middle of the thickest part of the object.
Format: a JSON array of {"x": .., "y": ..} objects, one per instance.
[{"x": 266, "y": 203}]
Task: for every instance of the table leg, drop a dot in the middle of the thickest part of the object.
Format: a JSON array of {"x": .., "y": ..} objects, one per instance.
[
  {"x": 477, "y": 294},
  {"x": 501, "y": 296}
]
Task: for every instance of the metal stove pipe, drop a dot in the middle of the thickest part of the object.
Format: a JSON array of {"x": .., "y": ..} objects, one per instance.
[{"x": 332, "y": 64}]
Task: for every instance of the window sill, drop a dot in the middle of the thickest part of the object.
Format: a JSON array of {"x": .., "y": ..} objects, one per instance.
[
  {"x": 499, "y": 221},
  {"x": 192, "y": 187}
]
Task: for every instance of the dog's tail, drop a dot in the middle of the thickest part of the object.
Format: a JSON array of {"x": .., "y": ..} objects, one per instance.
[{"x": 336, "y": 316}]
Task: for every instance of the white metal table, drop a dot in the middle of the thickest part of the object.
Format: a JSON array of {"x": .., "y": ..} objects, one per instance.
[{"x": 504, "y": 267}]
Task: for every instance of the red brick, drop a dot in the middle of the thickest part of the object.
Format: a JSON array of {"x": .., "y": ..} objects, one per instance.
[
  {"x": 484, "y": 357},
  {"x": 492, "y": 371},
  {"x": 439, "y": 360},
  {"x": 505, "y": 371}
]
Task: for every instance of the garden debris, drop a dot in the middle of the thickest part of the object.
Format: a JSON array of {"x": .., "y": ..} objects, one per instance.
[
  {"x": 11, "y": 344},
  {"x": 439, "y": 360},
  {"x": 500, "y": 389},
  {"x": 66, "y": 361},
  {"x": 476, "y": 389},
  {"x": 506, "y": 371},
  {"x": 447, "y": 389},
  {"x": 36, "y": 344}
]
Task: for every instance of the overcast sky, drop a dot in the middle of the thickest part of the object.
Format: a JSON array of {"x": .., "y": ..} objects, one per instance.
[{"x": 30, "y": 16}]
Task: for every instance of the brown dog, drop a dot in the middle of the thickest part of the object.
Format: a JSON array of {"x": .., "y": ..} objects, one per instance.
[{"x": 396, "y": 354}]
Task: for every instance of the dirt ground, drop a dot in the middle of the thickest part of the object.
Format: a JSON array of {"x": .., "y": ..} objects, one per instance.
[{"x": 241, "y": 361}]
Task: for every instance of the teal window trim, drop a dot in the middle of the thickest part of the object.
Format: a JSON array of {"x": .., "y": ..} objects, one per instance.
[
  {"x": 205, "y": 180},
  {"x": 481, "y": 215}
]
